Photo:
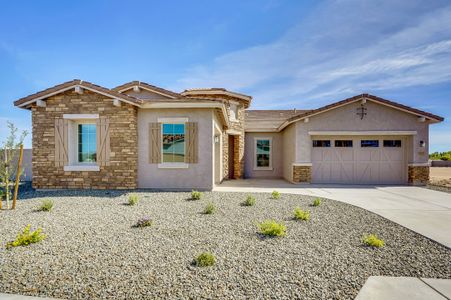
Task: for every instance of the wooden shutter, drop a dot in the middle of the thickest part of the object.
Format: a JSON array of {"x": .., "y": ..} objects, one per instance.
[
  {"x": 191, "y": 140},
  {"x": 103, "y": 141},
  {"x": 61, "y": 142},
  {"x": 154, "y": 143}
]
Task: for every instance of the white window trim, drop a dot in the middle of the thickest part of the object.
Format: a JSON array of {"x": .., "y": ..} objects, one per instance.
[
  {"x": 82, "y": 167},
  {"x": 80, "y": 116},
  {"x": 172, "y": 165},
  {"x": 270, "y": 168},
  {"x": 233, "y": 113}
]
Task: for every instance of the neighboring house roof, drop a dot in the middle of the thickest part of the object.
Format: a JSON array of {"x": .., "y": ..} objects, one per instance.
[
  {"x": 369, "y": 97},
  {"x": 42, "y": 95},
  {"x": 159, "y": 90},
  {"x": 217, "y": 91},
  {"x": 267, "y": 120}
]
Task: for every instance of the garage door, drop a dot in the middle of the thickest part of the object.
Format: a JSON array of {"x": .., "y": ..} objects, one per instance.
[{"x": 359, "y": 160}]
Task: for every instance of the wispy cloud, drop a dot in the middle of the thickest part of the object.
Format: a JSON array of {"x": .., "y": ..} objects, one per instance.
[{"x": 345, "y": 47}]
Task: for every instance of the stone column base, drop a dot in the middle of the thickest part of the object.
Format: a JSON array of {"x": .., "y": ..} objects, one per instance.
[
  {"x": 302, "y": 174},
  {"x": 418, "y": 175}
]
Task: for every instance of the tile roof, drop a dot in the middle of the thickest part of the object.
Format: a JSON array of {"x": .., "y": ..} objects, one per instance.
[
  {"x": 130, "y": 84},
  {"x": 75, "y": 82},
  {"x": 270, "y": 120}
]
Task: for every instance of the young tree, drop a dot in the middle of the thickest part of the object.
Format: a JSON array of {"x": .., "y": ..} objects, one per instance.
[{"x": 9, "y": 152}]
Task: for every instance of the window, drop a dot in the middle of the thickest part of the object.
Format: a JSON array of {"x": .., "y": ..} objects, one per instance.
[
  {"x": 263, "y": 153},
  {"x": 173, "y": 143},
  {"x": 392, "y": 143},
  {"x": 321, "y": 143},
  {"x": 233, "y": 112},
  {"x": 369, "y": 143},
  {"x": 87, "y": 143},
  {"x": 343, "y": 143}
]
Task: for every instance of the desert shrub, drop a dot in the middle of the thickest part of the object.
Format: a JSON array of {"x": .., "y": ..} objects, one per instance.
[
  {"x": 372, "y": 240},
  {"x": 316, "y": 202},
  {"x": 275, "y": 195},
  {"x": 210, "y": 208},
  {"x": 300, "y": 214},
  {"x": 250, "y": 201},
  {"x": 144, "y": 222},
  {"x": 46, "y": 205},
  {"x": 133, "y": 199},
  {"x": 26, "y": 237},
  {"x": 272, "y": 228},
  {"x": 205, "y": 259},
  {"x": 196, "y": 195}
]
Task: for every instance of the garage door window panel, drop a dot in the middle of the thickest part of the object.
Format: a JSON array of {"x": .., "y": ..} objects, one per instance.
[
  {"x": 369, "y": 143},
  {"x": 392, "y": 143},
  {"x": 343, "y": 143},
  {"x": 321, "y": 143}
]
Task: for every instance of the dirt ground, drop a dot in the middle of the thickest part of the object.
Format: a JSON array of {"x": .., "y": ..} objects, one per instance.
[{"x": 440, "y": 176}]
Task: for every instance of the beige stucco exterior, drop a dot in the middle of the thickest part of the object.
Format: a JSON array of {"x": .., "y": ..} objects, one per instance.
[{"x": 195, "y": 176}]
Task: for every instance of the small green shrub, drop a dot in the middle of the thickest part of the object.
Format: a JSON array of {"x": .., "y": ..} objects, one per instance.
[
  {"x": 372, "y": 240},
  {"x": 196, "y": 195},
  {"x": 46, "y": 205},
  {"x": 272, "y": 228},
  {"x": 210, "y": 208},
  {"x": 250, "y": 201},
  {"x": 133, "y": 199},
  {"x": 316, "y": 202},
  {"x": 144, "y": 222},
  {"x": 275, "y": 195},
  {"x": 300, "y": 214},
  {"x": 205, "y": 259},
  {"x": 26, "y": 237}
]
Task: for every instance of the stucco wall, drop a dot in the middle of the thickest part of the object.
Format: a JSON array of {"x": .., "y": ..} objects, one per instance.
[
  {"x": 249, "y": 154},
  {"x": 289, "y": 151},
  {"x": 379, "y": 117},
  {"x": 196, "y": 176}
]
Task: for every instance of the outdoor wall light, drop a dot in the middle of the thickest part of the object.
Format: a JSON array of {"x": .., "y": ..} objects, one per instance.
[{"x": 422, "y": 144}]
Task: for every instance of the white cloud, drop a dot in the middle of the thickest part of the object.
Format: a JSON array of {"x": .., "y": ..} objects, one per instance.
[{"x": 345, "y": 47}]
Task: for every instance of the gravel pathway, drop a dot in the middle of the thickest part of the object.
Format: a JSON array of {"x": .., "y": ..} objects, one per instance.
[{"x": 93, "y": 250}]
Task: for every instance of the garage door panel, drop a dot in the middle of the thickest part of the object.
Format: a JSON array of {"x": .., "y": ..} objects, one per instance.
[{"x": 359, "y": 165}]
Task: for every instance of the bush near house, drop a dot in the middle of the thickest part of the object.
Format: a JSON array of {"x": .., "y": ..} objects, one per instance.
[
  {"x": 144, "y": 222},
  {"x": 250, "y": 201},
  {"x": 46, "y": 205},
  {"x": 300, "y": 214},
  {"x": 272, "y": 228},
  {"x": 275, "y": 195},
  {"x": 440, "y": 155},
  {"x": 316, "y": 202},
  {"x": 210, "y": 208},
  {"x": 196, "y": 195},
  {"x": 372, "y": 240},
  {"x": 133, "y": 199},
  {"x": 205, "y": 259},
  {"x": 26, "y": 237}
]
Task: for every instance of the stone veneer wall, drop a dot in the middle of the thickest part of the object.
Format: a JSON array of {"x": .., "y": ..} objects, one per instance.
[
  {"x": 122, "y": 172},
  {"x": 302, "y": 174},
  {"x": 418, "y": 175}
]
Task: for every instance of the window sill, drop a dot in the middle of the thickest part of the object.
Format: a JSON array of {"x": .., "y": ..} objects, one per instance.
[
  {"x": 80, "y": 168},
  {"x": 173, "y": 166},
  {"x": 263, "y": 169}
]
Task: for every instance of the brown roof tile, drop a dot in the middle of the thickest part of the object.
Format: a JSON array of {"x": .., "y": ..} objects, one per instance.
[{"x": 130, "y": 84}]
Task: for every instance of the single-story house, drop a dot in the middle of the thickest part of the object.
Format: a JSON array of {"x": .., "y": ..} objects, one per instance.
[{"x": 141, "y": 136}]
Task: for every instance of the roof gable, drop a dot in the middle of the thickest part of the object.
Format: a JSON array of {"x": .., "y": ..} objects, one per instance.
[
  {"x": 363, "y": 97},
  {"x": 142, "y": 85},
  {"x": 60, "y": 88}
]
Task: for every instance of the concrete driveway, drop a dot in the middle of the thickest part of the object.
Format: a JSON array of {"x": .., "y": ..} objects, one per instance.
[{"x": 422, "y": 210}]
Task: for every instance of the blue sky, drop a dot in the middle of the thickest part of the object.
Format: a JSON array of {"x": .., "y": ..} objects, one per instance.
[{"x": 285, "y": 54}]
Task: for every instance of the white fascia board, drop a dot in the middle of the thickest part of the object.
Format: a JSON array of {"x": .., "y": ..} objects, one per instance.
[
  {"x": 261, "y": 130},
  {"x": 72, "y": 87},
  {"x": 175, "y": 120},
  {"x": 367, "y": 132},
  {"x": 80, "y": 116}
]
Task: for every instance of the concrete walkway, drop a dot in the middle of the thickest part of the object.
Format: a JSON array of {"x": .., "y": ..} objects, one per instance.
[
  {"x": 422, "y": 210},
  {"x": 396, "y": 288}
]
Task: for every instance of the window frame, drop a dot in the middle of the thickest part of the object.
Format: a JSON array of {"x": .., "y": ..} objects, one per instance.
[
  {"x": 172, "y": 165},
  {"x": 372, "y": 140},
  {"x": 269, "y": 167},
  {"x": 313, "y": 144},
  {"x": 344, "y": 142},
  {"x": 233, "y": 107},
  {"x": 395, "y": 142},
  {"x": 77, "y": 125}
]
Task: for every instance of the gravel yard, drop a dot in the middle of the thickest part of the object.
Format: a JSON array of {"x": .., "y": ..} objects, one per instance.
[{"x": 93, "y": 251}]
